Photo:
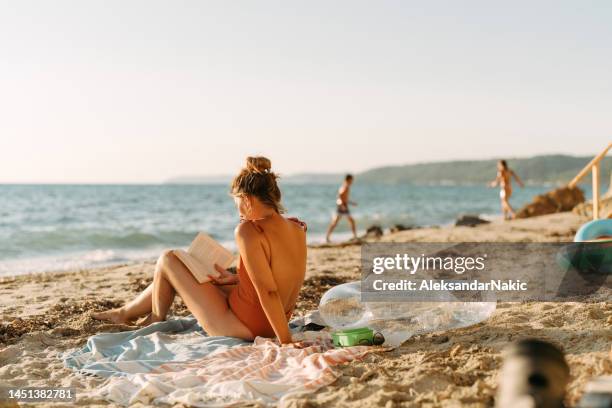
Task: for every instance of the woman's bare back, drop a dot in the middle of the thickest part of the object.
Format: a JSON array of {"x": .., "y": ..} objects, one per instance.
[{"x": 285, "y": 248}]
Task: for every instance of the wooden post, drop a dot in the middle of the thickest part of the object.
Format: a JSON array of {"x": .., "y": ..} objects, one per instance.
[
  {"x": 586, "y": 168},
  {"x": 596, "y": 191}
]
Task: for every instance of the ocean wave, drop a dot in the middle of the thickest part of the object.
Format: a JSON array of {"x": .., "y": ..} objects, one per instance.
[
  {"x": 59, "y": 227},
  {"x": 41, "y": 240},
  {"x": 73, "y": 261}
]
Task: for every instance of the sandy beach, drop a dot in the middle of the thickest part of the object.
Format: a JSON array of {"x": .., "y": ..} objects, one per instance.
[
  {"x": 44, "y": 315},
  {"x": 451, "y": 151}
]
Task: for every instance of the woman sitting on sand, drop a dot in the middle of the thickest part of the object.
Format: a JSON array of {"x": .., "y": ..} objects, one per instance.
[
  {"x": 259, "y": 299},
  {"x": 504, "y": 180}
]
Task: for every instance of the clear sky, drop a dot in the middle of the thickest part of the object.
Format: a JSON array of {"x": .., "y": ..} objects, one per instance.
[{"x": 140, "y": 91}]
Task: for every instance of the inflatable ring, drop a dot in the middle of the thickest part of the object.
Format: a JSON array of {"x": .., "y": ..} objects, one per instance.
[
  {"x": 595, "y": 230},
  {"x": 587, "y": 257},
  {"x": 591, "y": 250}
]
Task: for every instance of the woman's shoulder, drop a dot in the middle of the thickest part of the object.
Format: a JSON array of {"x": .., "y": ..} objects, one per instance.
[
  {"x": 247, "y": 230},
  {"x": 298, "y": 222}
]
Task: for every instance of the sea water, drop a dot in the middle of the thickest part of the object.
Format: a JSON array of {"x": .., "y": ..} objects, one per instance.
[{"x": 60, "y": 227}]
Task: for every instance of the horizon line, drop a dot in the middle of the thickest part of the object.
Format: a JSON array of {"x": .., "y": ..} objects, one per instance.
[{"x": 293, "y": 174}]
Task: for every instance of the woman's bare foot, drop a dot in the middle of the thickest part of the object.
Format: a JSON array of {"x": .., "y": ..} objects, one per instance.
[
  {"x": 115, "y": 315},
  {"x": 149, "y": 319}
]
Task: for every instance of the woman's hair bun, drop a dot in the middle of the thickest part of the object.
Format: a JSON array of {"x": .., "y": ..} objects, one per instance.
[
  {"x": 258, "y": 180},
  {"x": 258, "y": 165}
]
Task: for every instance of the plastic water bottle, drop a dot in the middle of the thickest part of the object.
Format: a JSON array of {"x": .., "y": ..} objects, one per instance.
[{"x": 341, "y": 308}]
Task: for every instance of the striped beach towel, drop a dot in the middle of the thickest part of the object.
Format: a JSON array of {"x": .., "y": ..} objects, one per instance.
[{"x": 190, "y": 368}]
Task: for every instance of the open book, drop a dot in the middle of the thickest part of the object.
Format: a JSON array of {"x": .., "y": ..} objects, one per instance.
[{"x": 202, "y": 255}]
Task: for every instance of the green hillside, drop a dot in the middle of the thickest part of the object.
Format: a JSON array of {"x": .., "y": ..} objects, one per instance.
[
  {"x": 549, "y": 169},
  {"x": 554, "y": 169}
]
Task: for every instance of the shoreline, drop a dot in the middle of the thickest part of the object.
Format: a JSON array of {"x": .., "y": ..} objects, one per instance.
[
  {"x": 76, "y": 256},
  {"x": 46, "y": 314}
]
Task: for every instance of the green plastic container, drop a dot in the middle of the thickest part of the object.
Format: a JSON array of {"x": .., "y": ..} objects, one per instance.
[{"x": 362, "y": 336}]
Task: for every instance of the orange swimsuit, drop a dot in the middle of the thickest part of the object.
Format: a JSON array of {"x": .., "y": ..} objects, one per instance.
[{"x": 245, "y": 304}]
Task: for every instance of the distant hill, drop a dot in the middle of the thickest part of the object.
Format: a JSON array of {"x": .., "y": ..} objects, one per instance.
[{"x": 549, "y": 169}]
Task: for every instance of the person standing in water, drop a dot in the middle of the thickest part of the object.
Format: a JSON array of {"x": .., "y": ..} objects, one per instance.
[
  {"x": 342, "y": 207},
  {"x": 504, "y": 181}
]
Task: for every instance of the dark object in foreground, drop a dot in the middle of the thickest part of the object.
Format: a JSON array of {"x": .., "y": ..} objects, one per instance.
[
  {"x": 468, "y": 220},
  {"x": 534, "y": 374}
]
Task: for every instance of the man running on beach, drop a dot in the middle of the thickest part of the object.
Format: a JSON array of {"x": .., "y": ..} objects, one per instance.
[{"x": 342, "y": 207}]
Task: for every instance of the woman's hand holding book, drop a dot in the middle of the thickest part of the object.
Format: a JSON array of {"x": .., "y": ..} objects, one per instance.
[{"x": 225, "y": 277}]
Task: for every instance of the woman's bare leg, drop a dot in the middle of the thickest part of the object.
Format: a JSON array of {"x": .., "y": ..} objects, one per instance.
[
  {"x": 207, "y": 302},
  {"x": 142, "y": 305},
  {"x": 163, "y": 292},
  {"x": 503, "y": 209},
  {"x": 509, "y": 209},
  {"x": 506, "y": 205}
]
